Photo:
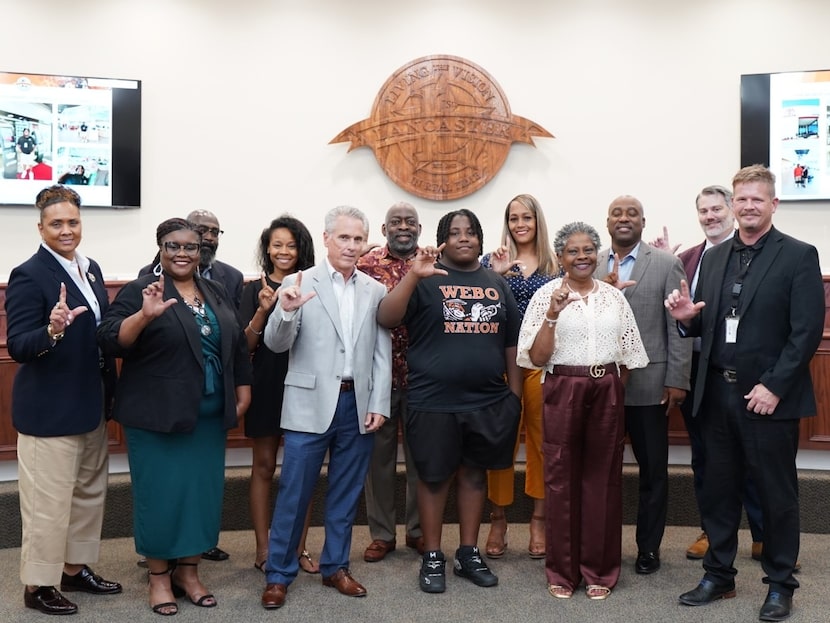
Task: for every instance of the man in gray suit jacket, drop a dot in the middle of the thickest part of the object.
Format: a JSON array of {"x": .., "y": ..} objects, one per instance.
[
  {"x": 336, "y": 394},
  {"x": 662, "y": 385}
]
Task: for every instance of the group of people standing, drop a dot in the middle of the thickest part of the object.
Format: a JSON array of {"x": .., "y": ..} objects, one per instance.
[{"x": 575, "y": 345}]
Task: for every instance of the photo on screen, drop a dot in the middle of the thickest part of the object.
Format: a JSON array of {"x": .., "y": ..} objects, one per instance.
[{"x": 80, "y": 131}]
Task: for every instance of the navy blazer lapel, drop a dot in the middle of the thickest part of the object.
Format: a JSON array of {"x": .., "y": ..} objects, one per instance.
[{"x": 74, "y": 296}]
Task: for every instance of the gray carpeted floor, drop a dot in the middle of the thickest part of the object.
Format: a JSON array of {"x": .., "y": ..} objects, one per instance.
[{"x": 394, "y": 596}]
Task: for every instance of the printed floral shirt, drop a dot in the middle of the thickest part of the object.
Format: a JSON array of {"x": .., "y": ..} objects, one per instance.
[{"x": 381, "y": 265}]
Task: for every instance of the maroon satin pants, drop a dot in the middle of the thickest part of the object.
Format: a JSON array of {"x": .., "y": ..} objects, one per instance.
[{"x": 583, "y": 434}]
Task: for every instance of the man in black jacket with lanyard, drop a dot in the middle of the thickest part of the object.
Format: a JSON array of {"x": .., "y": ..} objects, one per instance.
[{"x": 759, "y": 308}]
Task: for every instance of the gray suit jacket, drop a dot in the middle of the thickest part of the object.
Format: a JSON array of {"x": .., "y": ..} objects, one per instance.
[
  {"x": 670, "y": 356},
  {"x": 314, "y": 340}
]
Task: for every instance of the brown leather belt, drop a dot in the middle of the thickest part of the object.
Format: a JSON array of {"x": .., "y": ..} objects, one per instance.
[
  {"x": 347, "y": 386},
  {"x": 596, "y": 371},
  {"x": 730, "y": 376}
]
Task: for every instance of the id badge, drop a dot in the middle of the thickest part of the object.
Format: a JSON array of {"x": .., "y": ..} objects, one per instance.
[{"x": 732, "y": 329}]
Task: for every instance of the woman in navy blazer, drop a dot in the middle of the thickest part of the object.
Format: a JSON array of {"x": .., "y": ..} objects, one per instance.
[
  {"x": 185, "y": 380},
  {"x": 54, "y": 302}
]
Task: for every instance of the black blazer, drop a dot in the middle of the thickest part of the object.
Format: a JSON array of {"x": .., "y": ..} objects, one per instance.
[
  {"x": 225, "y": 274},
  {"x": 57, "y": 390},
  {"x": 162, "y": 374},
  {"x": 781, "y": 310}
]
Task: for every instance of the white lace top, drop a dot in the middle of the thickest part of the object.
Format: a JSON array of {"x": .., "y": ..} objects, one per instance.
[{"x": 598, "y": 330}]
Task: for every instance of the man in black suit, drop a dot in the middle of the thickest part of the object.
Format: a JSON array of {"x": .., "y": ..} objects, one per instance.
[
  {"x": 208, "y": 225},
  {"x": 759, "y": 308}
]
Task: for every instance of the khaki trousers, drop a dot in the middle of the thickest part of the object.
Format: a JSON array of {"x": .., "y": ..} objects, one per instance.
[{"x": 62, "y": 485}]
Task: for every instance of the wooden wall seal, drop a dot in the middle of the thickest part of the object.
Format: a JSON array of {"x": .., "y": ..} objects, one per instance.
[{"x": 441, "y": 128}]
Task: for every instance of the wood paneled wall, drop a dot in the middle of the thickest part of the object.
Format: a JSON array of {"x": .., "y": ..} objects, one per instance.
[{"x": 815, "y": 431}]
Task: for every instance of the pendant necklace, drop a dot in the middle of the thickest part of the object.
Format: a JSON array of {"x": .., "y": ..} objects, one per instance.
[{"x": 197, "y": 308}]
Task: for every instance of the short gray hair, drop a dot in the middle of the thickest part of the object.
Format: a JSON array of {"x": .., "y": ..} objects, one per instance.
[
  {"x": 577, "y": 227},
  {"x": 715, "y": 190},
  {"x": 348, "y": 211}
]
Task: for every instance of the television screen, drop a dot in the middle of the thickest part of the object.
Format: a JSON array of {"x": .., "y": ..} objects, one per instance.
[
  {"x": 80, "y": 131},
  {"x": 785, "y": 124}
]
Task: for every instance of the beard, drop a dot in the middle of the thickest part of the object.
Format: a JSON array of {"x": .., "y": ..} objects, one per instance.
[
  {"x": 403, "y": 249},
  {"x": 207, "y": 253}
]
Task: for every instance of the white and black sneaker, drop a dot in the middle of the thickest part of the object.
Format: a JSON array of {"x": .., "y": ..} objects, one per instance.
[
  {"x": 468, "y": 564},
  {"x": 432, "y": 577}
]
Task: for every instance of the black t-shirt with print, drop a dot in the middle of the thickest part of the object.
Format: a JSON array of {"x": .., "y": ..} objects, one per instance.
[{"x": 459, "y": 326}]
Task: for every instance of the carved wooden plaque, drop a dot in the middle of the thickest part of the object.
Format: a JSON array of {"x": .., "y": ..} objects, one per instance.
[{"x": 441, "y": 128}]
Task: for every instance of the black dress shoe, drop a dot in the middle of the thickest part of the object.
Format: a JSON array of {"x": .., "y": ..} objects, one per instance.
[
  {"x": 776, "y": 607},
  {"x": 48, "y": 600},
  {"x": 214, "y": 553},
  {"x": 647, "y": 562},
  {"x": 707, "y": 592},
  {"x": 87, "y": 581}
]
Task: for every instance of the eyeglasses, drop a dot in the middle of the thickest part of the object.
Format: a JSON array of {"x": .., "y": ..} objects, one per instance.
[
  {"x": 213, "y": 231},
  {"x": 190, "y": 248}
]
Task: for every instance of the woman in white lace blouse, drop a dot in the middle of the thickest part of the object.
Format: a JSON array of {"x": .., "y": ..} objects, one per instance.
[{"x": 582, "y": 333}]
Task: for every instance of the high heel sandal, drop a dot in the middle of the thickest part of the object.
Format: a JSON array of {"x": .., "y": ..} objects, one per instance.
[
  {"x": 166, "y": 608},
  {"x": 205, "y": 601},
  {"x": 259, "y": 563},
  {"x": 309, "y": 566},
  {"x": 496, "y": 543},
  {"x": 536, "y": 548}
]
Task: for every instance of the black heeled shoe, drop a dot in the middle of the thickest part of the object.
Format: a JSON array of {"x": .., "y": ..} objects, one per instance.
[
  {"x": 166, "y": 608},
  {"x": 205, "y": 601}
]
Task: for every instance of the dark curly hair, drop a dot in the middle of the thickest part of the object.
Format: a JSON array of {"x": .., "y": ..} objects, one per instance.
[
  {"x": 444, "y": 226},
  {"x": 305, "y": 245}
]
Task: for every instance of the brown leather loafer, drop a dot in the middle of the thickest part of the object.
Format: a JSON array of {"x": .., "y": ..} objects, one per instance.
[
  {"x": 343, "y": 581},
  {"x": 274, "y": 596},
  {"x": 378, "y": 549},
  {"x": 48, "y": 600},
  {"x": 88, "y": 582},
  {"x": 416, "y": 543},
  {"x": 698, "y": 549}
]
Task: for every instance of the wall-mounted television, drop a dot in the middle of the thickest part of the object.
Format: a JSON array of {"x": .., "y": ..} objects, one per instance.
[
  {"x": 75, "y": 130},
  {"x": 785, "y": 124}
]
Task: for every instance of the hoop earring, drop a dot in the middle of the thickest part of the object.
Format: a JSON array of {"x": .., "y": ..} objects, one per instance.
[{"x": 157, "y": 270}]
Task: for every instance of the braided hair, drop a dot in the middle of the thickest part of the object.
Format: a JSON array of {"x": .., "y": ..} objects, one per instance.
[{"x": 168, "y": 227}]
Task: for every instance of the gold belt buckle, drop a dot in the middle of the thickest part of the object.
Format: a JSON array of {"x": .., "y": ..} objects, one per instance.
[{"x": 597, "y": 371}]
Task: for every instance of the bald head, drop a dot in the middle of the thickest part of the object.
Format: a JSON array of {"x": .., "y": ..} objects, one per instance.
[{"x": 402, "y": 229}]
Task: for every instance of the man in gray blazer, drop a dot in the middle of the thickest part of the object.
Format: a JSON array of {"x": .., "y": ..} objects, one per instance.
[
  {"x": 336, "y": 394},
  {"x": 662, "y": 385}
]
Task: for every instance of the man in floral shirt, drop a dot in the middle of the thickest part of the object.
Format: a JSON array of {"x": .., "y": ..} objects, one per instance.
[{"x": 388, "y": 264}]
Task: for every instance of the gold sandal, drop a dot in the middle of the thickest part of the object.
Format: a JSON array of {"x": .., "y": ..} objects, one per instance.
[
  {"x": 596, "y": 591},
  {"x": 496, "y": 544},
  {"x": 536, "y": 547},
  {"x": 560, "y": 592},
  {"x": 310, "y": 566}
]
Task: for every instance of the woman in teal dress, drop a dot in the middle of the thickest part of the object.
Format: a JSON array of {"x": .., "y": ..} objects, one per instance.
[{"x": 185, "y": 380}]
